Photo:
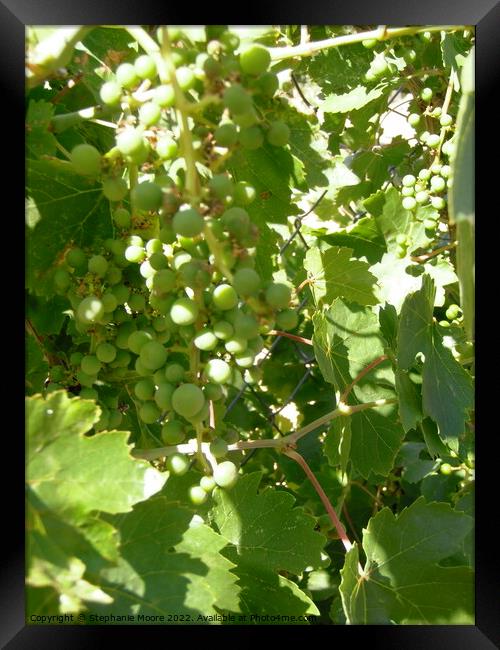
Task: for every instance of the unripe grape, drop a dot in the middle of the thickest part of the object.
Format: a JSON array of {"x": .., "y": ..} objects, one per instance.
[
  {"x": 86, "y": 160},
  {"x": 236, "y": 345},
  {"x": 426, "y": 94},
  {"x": 424, "y": 174},
  {"x": 224, "y": 297},
  {"x": 445, "y": 119},
  {"x": 205, "y": 340},
  {"x": 145, "y": 67},
  {"x": 236, "y": 99},
  {"x": 433, "y": 140},
  {"x": 144, "y": 389},
  {"x": 126, "y": 75},
  {"x": 197, "y": 495},
  {"x": 121, "y": 217},
  {"x": 172, "y": 432},
  {"x": 251, "y": 137},
  {"x": 221, "y": 186},
  {"x": 413, "y": 119},
  {"x": 90, "y": 364},
  {"x": 130, "y": 142},
  {"x": 278, "y": 295},
  {"x": 98, "y": 265},
  {"x": 90, "y": 309},
  {"x": 185, "y": 78},
  {"x": 163, "y": 396},
  {"x": 446, "y": 469},
  {"x": 226, "y": 135},
  {"x": 408, "y": 180},
  {"x": 422, "y": 197},
  {"x": 287, "y": 319},
  {"x": 255, "y": 59},
  {"x": 184, "y": 311},
  {"x": 110, "y": 93},
  {"x": 153, "y": 355},
  {"x": 207, "y": 483},
  {"x": 187, "y": 400},
  {"x": 278, "y": 134},
  {"x": 247, "y": 282},
  {"x": 223, "y": 330},
  {"x": 218, "y": 371},
  {"x": 453, "y": 312},
  {"x": 408, "y": 191},
  {"x": 244, "y": 193},
  {"x": 218, "y": 447},
  {"x": 147, "y": 196},
  {"x": 105, "y": 352},
  {"x": 137, "y": 340},
  {"x": 164, "y": 95},
  {"x": 76, "y": 258},
  {"x": 438, "y": 184},
  {"x": 167, "y": 148},
  {"x": 226, "y": 474},
  {"x": 62, "y": 279},
  {"x": 178, "y": 464},
  {"x": 409, "y": 203},
  {"x": 188, "y": 222},
  {"x": 149, "y": 113}
]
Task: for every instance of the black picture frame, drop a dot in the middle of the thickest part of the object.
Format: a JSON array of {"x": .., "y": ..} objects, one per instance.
[{"x": 15, "y": 15}]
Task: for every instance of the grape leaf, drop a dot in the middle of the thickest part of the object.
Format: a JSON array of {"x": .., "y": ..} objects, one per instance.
[
  {"x": 402, "y": 581},
  {"x": 346, "y": 339},
  {"x": 447, "y": 394},
  {"x": 73, "y": 473},
  {"x": 36, "y": 366},
  {"x": 363, "y": 237},
  {"x": 414, "y": 467},
  {"x": 353, "y": 100},
  {"x": 69, "y": 208},
  {"x": 168, "y": 565},
  {"x": 266, "y": 535},
  {"x": 40, "y": 141},
  {"x": 332, "y": 274}
]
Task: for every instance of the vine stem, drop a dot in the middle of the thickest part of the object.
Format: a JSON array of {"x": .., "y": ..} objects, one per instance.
[
  {"x": 294, "y": 337},
  {"x": 364, "y": 372},
  {"x": 191, "y": 446},
  {"x": 427, "y": 256},
  {"x": 380, "y": 34},
  {"x": 444, "y": 108},
  {"x": 341, "y": 532}
]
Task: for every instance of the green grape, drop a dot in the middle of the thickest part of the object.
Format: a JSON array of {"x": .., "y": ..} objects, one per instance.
[
  {"x": 62, "y": 279},
  {"x": 408, "y": 180},
  {"x": 245, "y": 359},
  {"x": 278, "y": 295},
  {"x": 188, "y": 222},
  {"x": 84, "y": 379},
  {"x": 98, "y": 265},
  {"x": 105, "y": 352},
  {"x": 213, "y": 392},
  {"x": 122, "y": 359},
  {"x": 445, "y": 120},
  {"x": 130, "y": 142},
  {"x": 153, "y": 355},
  {"x": 218, "y": 448},
  {"x": 201, "y": 415},
  {"x": 172, "y": 432},
  {"x": 147, "y": 196},
  {"x": 218, "y": 371},
  {"x": 137, "y": 340},
  {"x": 76, "y": 258},
  {"x": 75, "y": 358},
  {"x": 409, "y": 203},
  {"x": 453, "y": 312},
  {"x": 210, "y": 66},
  {"x": 236, "y": 345},
  {"x": 86, "y": 160},
  {"x": 177, "y": 464},
  {"x": 379, "y": 65},
  {"x": 113, "y": 276},
  {"x": 110, "y": 93},
  {"x": 226, "y": 135},
  {"x": 90, "y": 310},
  {"x": 244, "y": 120},
  {"x": 236, "y": 99},
  {"x": 89, "y": 393},
  {"x": 288, "y": 319},
  {"x": 163, "y": 396},
  {"x": 438, "y": 184},
  {"x": 433, "y": 140},
  {"x": 413, "y": 119},
  {"x": 164, "y": 95},
  {"x": 146, "y": 270},
  {"x": 185, "y": 78},
  {"x": 224, "y": 297},
  {"x": 121, "y": 293},
  {"x": 438, "y": 202},
  {"x": 137, "y": 302},
  {"x": 121, "y": 217},
  {"x": 145, "y": 67},
  {"x": 181, "y": 258},
  {"x": 149, "y": 113},
  {"x": 244, "y": 193},
  {"x": 149, "y": 413},
  {"x": 247, "y": 282},
  {"x": 205, "y": 340},
  {"x": 245, "y": 326},
  {"x": 174, "y": 373},
  {"x": 426, "y": 94},
  {"x": 197, "y": 495},
  {"x": 278, "y": 134},
  {"x": 268, "y": 84},
  {"x": 446, "y": 469},
  {"x": 445, "y": 171},
  {"x": 424, "y": 174},
  {"x": 223, "y": 330},
  {"x": 236, "y": 221},
  {"x": 251, "y": 137},
  {"x": 422, "y": 197},
  {"x": 126, "y": 75},
  {"x": 253, "y": 375},
  {"x": 407, "y": 191},
  {"x": 122, "y": 335},
  {"x": 90, "y": 364},
  {"x": 184, "y": 311},
  {"x": 167, "y": 148},
  {"x": 187, "y": 400},
  {"x": 102, "y": 423},
  {"x": 226, "y": 474},
  {"x": 401, "y": 239},
  {"x": 448, "y": 148},
  {"x": 207, "y": 483},
  {"x": 400, "y": 251},
  {"x": 167, "y": 234},
  {"x": 221, "y": 186},
  {"x": 255, "y": 59},
  {"x": 164, "y": 281},
  {"x": 114, "y": 420},
  {"x": 158, "y": 262},
  {"x": 144, "y": 389}
]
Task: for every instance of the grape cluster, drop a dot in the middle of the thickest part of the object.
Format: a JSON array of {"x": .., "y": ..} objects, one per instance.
[{"x": 172, "y": 309}]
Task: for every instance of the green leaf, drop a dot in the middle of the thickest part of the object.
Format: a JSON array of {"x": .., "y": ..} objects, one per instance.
[
  {"x": 36, "y": 366},
  {"x": 338, "y": 442},
  {"x": 415, "y": 468},
  {"x": 40, "y": 141},
  {"x": 71, "y": 472},
  {"x": 402, "y": 581},
  {"x": 266, "y": 535},
  {"x": 346, "y": 339},
  {"x": 363, "y": 237},
  {"x": 69, "y": 208},
  {"x": 462, "y": 197},
  {"x": 447, "y": 394},
  {"x": 334, "y": 274},
  {"x": 454, "y": 48},
  {"x": 409, "y": 401},
  {"x": 169, "y": 565},
  {"x": 353, "y": 100},
  {"x": 394, "y": 220}
]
